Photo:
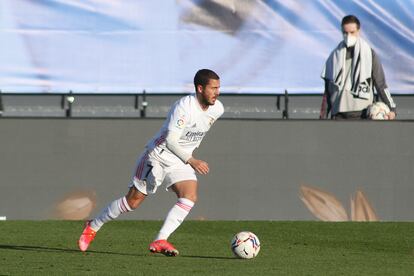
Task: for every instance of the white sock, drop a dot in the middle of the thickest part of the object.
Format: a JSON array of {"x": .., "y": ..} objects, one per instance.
[
  {"x": 175, "y": 217},
  {"x": 111, "y": 212}
]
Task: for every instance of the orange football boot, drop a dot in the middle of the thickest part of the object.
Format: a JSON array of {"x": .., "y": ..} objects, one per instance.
[
  {"x": 87, "y": 237},
  {"x": 163, "y": 247}
]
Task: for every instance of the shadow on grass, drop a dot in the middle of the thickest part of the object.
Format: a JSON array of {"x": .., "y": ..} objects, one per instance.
[
  {"x": 208, "y": 257},
  {"x": 64, "y": 250},
  {"x": 34, "y": 248}
]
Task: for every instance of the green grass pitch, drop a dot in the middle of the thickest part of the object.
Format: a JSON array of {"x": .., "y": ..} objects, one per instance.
[{"x": 288, "y": 248}]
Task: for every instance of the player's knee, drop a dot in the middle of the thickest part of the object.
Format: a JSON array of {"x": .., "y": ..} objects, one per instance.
[
  {"x": 135, "y": 199},
  {"x": 192, "y": 197},
  {"x": 133, "y": 204}
]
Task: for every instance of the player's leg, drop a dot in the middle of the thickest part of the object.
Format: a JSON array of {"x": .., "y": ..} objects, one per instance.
[
  {"x": 117, "y": 207},
  {"x": 134, "y": 197},
  {"x": 186, "y": 192},
  {"x": 125, "y": 204}
]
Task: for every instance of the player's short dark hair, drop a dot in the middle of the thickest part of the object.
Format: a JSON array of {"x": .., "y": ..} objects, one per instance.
[
  {"x": 351, "y": 19},
  {"x": 203, "y": 76}
]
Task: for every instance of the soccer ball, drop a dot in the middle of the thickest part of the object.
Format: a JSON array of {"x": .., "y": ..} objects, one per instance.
[
  {"x": 378, "y": 111},
  {"x": 245, "y": 245}
]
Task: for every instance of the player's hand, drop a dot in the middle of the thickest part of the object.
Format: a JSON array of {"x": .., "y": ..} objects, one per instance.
[
  {"x": 391, "y": 115},
  {"x": 198, "y": 165}
]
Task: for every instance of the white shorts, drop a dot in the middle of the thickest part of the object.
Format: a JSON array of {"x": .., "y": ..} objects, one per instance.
[{"x": 151, "y": 171}]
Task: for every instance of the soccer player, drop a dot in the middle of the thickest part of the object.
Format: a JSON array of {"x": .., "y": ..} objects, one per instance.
[{"x": 168, "y": 160}]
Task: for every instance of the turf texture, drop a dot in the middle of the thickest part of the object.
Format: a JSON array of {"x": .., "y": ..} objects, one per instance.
[{"x": 287, "y": 248}]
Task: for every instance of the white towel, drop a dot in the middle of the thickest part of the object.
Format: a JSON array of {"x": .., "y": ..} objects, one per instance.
[{"x": 334, "y": 69}]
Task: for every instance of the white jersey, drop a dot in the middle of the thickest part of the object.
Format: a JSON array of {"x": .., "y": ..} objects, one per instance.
[{"x": 192, "y": 123}]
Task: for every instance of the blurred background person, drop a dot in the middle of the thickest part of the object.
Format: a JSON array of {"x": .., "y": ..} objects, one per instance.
[{"x": 351, "y": 72}]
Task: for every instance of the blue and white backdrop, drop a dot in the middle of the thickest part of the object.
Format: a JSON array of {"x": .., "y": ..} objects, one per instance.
[{"x": 107, "y": 46}]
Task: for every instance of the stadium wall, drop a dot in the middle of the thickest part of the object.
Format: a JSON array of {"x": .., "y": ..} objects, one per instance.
[{"x": 260, "y": 169}]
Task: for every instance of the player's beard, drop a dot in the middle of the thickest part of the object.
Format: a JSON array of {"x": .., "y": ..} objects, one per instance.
[
  {"x": 210, "y": 101},
  {"x": 205, "y": 101}
]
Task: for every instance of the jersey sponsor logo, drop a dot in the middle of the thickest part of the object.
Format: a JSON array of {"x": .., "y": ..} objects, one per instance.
[
  {"x": 193, "y": 136},
  {"x": 211, "y": 121}
]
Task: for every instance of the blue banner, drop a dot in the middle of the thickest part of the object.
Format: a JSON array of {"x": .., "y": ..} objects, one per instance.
[{"x": 109, "y": 46}]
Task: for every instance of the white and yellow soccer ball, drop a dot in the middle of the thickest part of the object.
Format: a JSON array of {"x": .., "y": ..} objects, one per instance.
[
  {"x": 378, "y": 111},
  {"x": 245, "y": 245}
]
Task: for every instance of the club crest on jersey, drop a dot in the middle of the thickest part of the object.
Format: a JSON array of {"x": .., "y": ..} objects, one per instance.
[
  {"x": 180, "y": 123},
  {"x": 211, "y": 122}
]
